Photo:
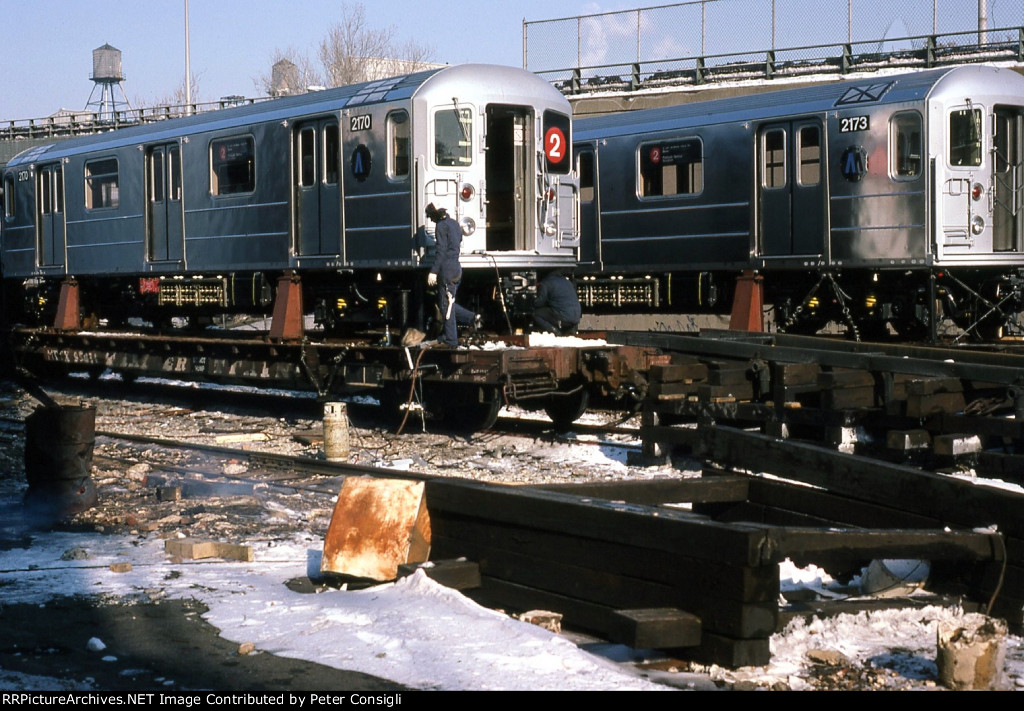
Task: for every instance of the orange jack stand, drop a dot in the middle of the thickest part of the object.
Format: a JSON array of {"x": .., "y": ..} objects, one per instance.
[
  {"x": 286, "y": 324},
  {"x": 68, "y": 317},
  {"x": 748, "y": 303}
]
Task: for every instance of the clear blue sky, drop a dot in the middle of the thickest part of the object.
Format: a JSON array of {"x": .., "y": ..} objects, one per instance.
[{"x": 47, "y": 44}]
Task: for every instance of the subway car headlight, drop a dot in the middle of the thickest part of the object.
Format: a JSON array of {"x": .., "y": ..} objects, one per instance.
[
  {"x": 550, "y": 229},
  {"x": 468, "y": 226},
  {"x": 977, "y": 225}
]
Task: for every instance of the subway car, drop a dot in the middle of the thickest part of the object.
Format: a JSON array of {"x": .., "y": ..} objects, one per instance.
[
  {"x": 202, "y": 215},
  {"x": 882, "y": 203}
]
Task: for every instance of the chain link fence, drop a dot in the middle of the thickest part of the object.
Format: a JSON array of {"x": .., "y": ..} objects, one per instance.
[{"x": 689, "y": 35}]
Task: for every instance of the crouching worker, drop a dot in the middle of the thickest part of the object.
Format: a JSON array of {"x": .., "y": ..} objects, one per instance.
[
  {"x": 557, "y": 309},
  {"x": 446, "y": 273}
]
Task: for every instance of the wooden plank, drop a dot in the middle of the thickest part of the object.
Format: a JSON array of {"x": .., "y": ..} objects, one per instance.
[
  {"x": 662, "y": 491},
  {"x": 655, "y": 628},
  {"x": 538, "y": 571},
  {"x": 694, "y": 576},
  {"x": 799, "y": 373},
  {"x": 714, "y": 648},
  {"x": 1008, "y": 467},
  {"x": 931, "y": 404},
  {"x": 728, "y": 652},
  {"x": 726, "y": 374},
  {"x": 663, "y": 390},
  {"x": 631, "y": 524},
  {"x": 848, "y": 398},
  {"x": 931, "y": 386},
  {"x": 719, "y": 393},
  {"x": 845, "y": 378},
  {"x": 195, "y": 549},
  {"x": 455, "y": 574},
  {"x": 678, "y": 372},
  {"x": 857, "y": 544},
  {"x": 830, "y": 508},
  {"x": 952, "y": 501}
]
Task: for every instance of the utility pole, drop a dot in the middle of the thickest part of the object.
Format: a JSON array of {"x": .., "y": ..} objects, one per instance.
[{"x": 188, "y": 69}]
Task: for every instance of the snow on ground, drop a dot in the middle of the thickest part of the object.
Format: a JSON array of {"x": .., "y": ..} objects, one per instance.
[
  {"x": 426, "y": 636},
  {"x": 423, "y": 635},
  {"x": 414, "y": 631}
]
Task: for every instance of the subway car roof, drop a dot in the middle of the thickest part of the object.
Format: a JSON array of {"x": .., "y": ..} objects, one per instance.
[
  {"x": 514, "y": 84},
  {"x": 846, "y": 94}
]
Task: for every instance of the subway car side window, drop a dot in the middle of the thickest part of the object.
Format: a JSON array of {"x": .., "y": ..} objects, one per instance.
[
  {"x": 585, "y": 171},
  {"x": 671, "y": 168},
  {"x": 8, "y": 197},
  {"x": 905, "y": 149},
  {"x": 232, "y": 165},
  {"x": 102, "y": 184},
  {"x": 398, "y": 145}
]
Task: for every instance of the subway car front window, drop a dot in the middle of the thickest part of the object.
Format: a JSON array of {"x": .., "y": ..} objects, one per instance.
[
  {"x": 453, "y": 137},
  {"x": 965, "y": 137}
]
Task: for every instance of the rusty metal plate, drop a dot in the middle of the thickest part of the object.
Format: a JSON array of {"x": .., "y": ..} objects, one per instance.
[{"x": 377, "y": 525}]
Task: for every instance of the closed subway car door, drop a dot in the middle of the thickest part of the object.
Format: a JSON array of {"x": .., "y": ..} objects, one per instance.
[
  {"x": 791, "y": 189},
  {"x": 50, "y": 226},
  {"x": 317, "y": 192}
]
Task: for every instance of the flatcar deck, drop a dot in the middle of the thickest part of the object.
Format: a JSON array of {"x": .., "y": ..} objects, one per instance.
[{"x": 467, "y": 386}]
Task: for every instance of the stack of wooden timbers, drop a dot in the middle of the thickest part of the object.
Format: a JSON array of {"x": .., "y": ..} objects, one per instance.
[
  {"x": 691, "y": 565},
  {"x": 623, "y": 561},
  {"x": 866, "y": 435}
]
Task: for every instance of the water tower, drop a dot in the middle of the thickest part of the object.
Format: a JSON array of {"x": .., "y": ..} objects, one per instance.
[{"x": 107, "y": 77}]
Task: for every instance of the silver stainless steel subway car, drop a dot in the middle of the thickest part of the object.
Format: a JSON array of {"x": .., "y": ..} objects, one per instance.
[
  {"x": 202, "y": 214},
  {"x": 867, "y": 201}
]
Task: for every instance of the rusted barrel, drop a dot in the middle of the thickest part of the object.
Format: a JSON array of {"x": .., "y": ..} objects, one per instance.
[{"x": 58, "y": 459}]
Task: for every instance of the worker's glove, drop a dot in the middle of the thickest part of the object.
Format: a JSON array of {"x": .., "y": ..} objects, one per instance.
[{"x": 431, "y": 279}]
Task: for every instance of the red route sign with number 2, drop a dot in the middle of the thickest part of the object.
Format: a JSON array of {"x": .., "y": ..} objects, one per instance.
[{"x": 554, "y": 145}]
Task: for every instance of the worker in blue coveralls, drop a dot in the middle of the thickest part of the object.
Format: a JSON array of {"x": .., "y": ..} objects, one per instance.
[
  {"x": 446, "y": 273},
  {"x": 557, "y": 308}
]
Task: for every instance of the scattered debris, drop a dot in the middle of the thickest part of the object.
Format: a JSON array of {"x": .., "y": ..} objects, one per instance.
[
  {"x": 971, "y": 655},
  {"x": 551, "y": 621},
  {"x": 192, "y": 549}
]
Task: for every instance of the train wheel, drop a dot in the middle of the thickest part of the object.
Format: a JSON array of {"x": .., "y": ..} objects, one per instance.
[
  {"x": 472, "y": 408},
  {"x": 566, "y": 408}
]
